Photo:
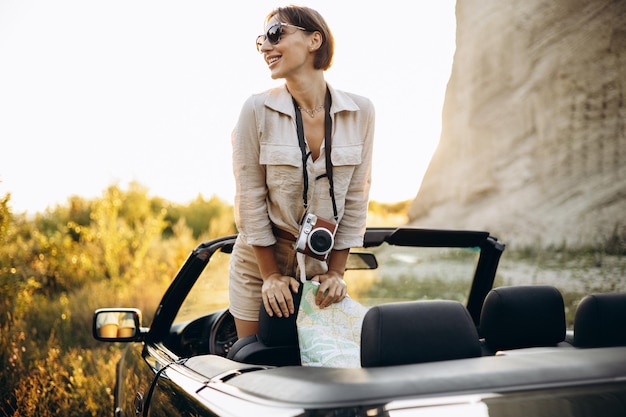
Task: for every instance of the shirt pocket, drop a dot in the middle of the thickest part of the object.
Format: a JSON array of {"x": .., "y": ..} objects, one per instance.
[
  {"x": 346, "y": 155},
  {"x": 345, "y": 159},
  {"x": 283, "y": 166}
]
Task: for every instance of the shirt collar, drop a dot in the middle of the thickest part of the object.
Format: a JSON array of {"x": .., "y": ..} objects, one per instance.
[{"x": 279, "y": 99}]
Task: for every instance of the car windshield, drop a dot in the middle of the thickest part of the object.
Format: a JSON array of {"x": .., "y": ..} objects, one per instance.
[
  {"x": 404, "y": 273},
  {"x": 410, "y": 273},
  {"x": 209, "y": 293}
]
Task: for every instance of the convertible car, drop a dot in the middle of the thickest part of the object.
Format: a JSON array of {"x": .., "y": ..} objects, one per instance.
[{"x": 438, "y": 338}]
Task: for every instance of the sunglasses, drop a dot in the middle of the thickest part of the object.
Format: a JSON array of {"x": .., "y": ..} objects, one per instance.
[{"x": 274, "y": 34}]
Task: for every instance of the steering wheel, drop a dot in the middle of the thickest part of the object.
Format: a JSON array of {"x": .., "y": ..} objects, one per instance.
[{"x": 222, "y": 334}]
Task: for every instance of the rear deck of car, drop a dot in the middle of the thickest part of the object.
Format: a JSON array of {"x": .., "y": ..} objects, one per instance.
[{"x": 517, "y": 371}]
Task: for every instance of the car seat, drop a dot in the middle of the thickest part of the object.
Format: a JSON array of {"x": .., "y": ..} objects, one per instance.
[
  {"x": 417, "y": 331},
  {"x": 522, "y": 316},
  {"x": 276, "y": 343},
  {"x": 600, "y": 321}
]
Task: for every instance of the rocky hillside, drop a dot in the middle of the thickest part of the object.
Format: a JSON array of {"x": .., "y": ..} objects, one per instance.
[{"x": 533, "y": 143}]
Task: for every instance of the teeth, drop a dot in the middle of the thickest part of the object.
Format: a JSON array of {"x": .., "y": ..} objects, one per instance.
[{"x": 272, "y": 60}]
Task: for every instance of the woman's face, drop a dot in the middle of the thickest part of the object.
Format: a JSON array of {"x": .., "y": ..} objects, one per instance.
[{"x": 290, "y": 55}]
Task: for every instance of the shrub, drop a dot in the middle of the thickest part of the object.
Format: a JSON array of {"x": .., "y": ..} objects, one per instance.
[{"x": 58, "y": 267}]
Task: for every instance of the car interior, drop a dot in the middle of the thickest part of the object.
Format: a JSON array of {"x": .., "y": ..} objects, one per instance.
[
  {"x": 499, "y": 341},
  {"x": 442, "y": 352},
  {"x": 503, "y": 339},
  {"x": 514, "y": 318}
]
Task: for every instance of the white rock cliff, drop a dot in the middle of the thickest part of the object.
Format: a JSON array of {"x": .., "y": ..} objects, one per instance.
[{"x": 533, "y": 142}]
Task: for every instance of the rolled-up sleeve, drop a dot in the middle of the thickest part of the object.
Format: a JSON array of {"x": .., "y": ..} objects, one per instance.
[
  {"x": 251, "y": 215},
  {"x": 352, "y": 227}
]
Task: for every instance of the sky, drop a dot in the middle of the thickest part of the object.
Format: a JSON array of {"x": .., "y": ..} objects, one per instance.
[{"x": 97, "y": 93}]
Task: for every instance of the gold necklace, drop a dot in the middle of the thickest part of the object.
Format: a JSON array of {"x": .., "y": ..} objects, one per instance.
[{"x": 312, "y": 112}]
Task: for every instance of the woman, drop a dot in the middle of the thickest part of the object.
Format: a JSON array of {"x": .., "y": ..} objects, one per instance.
[{"x": 283, "y": 172}]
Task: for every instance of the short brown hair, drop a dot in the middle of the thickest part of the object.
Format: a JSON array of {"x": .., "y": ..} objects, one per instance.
[{"x": 312, "y": 21}]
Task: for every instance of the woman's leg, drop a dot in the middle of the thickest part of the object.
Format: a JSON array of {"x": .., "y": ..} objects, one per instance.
[{"x": 246, "y": 327}]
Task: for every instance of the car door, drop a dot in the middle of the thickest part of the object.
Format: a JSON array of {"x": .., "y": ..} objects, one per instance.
[
  {"x": 174, "y": 394},
  {"x": 144, "y": 363},
  {"x": 137, "y": 371}
]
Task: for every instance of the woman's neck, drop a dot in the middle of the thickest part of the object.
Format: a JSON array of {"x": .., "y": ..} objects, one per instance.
[{"x": 309, "y": 93}]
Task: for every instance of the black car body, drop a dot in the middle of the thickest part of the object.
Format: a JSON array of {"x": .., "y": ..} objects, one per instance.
[{"x": 469, "y": 350}]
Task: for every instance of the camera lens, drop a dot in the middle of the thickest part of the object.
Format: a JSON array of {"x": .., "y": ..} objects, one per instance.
[{"x": 320, "y": 241}]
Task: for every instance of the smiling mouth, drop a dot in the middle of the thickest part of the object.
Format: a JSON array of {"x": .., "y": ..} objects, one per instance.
[{"x": 273, "y": 60}]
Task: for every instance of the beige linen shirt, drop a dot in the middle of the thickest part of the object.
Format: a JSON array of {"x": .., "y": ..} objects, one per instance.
[{"x": 267, "y": 163}]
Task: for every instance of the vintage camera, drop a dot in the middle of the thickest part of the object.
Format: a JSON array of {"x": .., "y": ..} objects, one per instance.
[{"x": 316, "y": 237}]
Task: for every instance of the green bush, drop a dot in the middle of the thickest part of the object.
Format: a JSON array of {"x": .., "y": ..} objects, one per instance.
[{"x": 56, "y": 268}]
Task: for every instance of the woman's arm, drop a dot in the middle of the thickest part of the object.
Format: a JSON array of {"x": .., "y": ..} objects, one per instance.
[
  {"x": 332, "y": 287},
  {"x": 357, "y": 197},
  {"x": 251, "y": 214},
  {"x": 277, "y": 289}
]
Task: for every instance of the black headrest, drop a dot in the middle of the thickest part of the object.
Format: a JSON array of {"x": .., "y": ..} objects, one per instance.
[
  {"x": 601, "y": 321},
  {"x": 280, "y": 331},
  {"x": 523, "y": 316},
  {"x": 417, "y": 331}
]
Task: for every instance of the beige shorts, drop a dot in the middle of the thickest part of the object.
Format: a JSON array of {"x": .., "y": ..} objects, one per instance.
[{"x": 245, "y": 278}]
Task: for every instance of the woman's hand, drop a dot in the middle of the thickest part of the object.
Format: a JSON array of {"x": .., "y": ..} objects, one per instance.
[
  {"x": 332, "y": 288},
  {"x": 277, "y": 295}
]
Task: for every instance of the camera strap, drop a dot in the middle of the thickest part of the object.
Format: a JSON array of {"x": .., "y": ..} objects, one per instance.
[{"x": 328, "y": 129}]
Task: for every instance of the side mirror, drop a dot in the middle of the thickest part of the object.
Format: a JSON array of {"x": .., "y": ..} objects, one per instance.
[
  {"x": 359, "y": 260},
  {"x": 117, "y": 325}
]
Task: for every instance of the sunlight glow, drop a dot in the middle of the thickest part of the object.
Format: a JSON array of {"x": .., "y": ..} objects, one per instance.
[{"x": 101, "y": 93}]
